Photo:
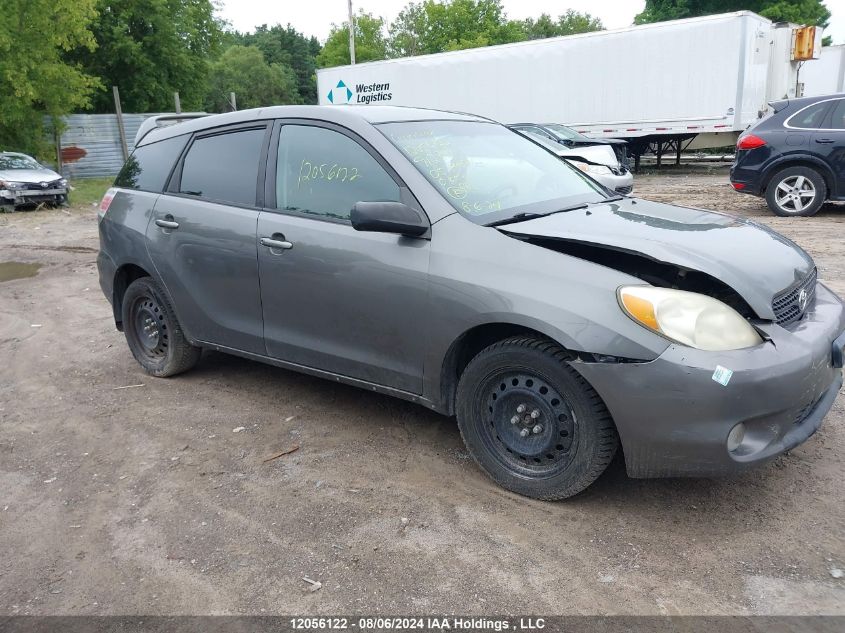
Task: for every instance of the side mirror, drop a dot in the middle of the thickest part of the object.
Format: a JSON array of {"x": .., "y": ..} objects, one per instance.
[{"x": 388, "y": 217}]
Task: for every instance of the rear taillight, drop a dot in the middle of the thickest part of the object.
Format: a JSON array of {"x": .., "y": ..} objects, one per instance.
[
  {"x": 105, "y": 203},
  {"x": 739, "y": 186},
  {"x": 749, "y": 141}
]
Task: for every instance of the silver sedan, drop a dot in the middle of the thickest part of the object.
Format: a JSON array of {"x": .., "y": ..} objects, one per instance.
[{"x": 24, "y": 181}]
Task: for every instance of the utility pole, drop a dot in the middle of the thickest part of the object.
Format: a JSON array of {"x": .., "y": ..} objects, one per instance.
[{"x": 351, "y": 35}]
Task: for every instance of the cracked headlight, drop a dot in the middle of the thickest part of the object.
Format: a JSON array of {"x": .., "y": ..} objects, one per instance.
[{"x": 688, "y": 318}]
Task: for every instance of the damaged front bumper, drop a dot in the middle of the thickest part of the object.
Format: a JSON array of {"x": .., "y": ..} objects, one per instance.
[
  {"x": 674, "y": 414},
  {"x": 22, "y": 197}
]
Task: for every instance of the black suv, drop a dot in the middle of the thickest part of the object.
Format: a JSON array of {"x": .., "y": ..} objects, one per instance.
[{"x": 795, "y": 155}]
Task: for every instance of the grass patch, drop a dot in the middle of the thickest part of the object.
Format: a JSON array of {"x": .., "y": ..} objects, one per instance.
[{"x": 88, "y": 191}]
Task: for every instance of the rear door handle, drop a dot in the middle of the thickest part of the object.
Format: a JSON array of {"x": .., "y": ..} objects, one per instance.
[
  {"x": 271, "y": 243},
  {"x": 824, "y": 140},
  {"x": 167, "y": 224}
]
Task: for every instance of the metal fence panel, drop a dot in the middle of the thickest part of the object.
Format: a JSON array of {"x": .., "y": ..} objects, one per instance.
[{"x": 90, "y": 144}]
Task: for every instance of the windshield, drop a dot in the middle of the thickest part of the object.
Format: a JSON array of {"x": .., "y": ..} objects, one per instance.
[
  {"x": 17, "y": 161},
  {"x": 488, "y": 172},
  {"x": 566, "y": 133}
]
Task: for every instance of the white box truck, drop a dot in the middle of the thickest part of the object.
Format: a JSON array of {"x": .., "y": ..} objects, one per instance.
[
  {"x": 827, "y": 74},
  {"x": 696, "y": 82}
]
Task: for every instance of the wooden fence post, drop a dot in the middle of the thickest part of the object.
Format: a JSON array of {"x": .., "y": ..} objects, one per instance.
[{"x": 120, "y": 127}]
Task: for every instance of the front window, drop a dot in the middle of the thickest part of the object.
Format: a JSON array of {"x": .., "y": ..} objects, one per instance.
[
  {"x": 488, "y": 172},
  {"x": 323, "y": 173},
  {"x": 18, "y": 161}
]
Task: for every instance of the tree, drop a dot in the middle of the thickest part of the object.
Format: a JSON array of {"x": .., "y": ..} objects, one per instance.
[
  {"x": 810, "y": 12},
  {"x": 569, "y": 23},
  {"x": 151, "y": 49},
  {"x": 434, "y": 27},
  {"x": 244, "y": 71},
  {"x": 370, "y": 44},
  {"x": 34, "y": 79},
  {"x": 289, "y": 47}
]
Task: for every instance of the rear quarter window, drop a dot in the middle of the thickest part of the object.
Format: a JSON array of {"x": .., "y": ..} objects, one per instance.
[
  {"x": 810, "y": 118},
  {"x": 149, "y": 166}
]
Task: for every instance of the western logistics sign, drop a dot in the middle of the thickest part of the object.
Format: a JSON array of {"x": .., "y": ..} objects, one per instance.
[{"x": 364, "y": 93}]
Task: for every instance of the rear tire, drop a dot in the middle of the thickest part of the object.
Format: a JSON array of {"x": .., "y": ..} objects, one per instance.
[
  {"x": 153, "y": 333},
  {"x": 531, "y": 421},
  {"x": 796, "y": 191}
]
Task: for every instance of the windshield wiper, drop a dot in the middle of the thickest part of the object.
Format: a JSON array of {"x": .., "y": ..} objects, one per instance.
[{"x": 521, "y": 217}]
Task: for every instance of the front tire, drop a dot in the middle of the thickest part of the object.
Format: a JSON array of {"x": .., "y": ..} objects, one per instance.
[
  {"x": 796, "y": 191},
  {"x": 531, "y": 421},
  {"x": 153, "y": 333}
]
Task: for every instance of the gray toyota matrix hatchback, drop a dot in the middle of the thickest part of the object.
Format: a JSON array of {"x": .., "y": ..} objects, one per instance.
[{"x": 442, "y": 258}]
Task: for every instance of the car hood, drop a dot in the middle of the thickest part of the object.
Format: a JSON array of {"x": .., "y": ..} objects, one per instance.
[
  {"x": 29, "y": 175},
  {"x": 753, "y": 260},
  {"x": 601, "y": 154}
]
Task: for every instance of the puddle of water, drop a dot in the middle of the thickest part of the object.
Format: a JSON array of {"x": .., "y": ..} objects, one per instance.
[{"x": 17, "y": 270}]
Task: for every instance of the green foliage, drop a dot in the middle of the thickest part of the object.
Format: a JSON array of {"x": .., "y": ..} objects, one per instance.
[
  {"x": 809, "y": 12},
  {"x": 370, "y": 44},
  {"x": 289, "y": 47},
  {"x": 88, "y": 191},
  {"x": 34, "y": 79},
  {"x": 434, "y": 27},
  {"x": 244, "y": 71},
  {"x": 569, "y": 23},
  {"x": 151, "y": 49}
]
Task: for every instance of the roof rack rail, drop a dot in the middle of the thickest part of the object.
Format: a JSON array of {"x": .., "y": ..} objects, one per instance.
[{"x": 162, "y": 120}]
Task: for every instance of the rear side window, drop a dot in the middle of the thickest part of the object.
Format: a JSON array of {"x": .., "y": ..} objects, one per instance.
[
  {"x": 149, "y": 166},
  {"x": 837, "y": 121},
  {"x": 224, "y": 167},
  {"x": 809, "y": 118},
  {"x": 323, "y": 172}
]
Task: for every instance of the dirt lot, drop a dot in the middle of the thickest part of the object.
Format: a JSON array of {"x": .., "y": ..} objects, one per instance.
[{"x": 124, "y": 494}]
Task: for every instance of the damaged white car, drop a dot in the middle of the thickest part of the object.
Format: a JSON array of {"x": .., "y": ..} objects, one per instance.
[{"x": 24, "y": 182}]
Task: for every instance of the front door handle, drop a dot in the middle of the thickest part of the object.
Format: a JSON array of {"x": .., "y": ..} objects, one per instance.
[
  {"x": 271, "y": 243},
  {"x": 167, "y": 224},
  {"x": 824, "y": 140}
]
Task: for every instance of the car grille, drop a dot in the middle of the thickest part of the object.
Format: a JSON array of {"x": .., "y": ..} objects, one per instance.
[
  {"x": 788, "y": 307},
  {"x": 625, "y": 190}
]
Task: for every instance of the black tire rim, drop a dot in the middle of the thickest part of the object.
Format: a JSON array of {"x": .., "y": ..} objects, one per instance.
[
  {"x": 528, "y": 425},
  {"x": 149, "y": 327}
]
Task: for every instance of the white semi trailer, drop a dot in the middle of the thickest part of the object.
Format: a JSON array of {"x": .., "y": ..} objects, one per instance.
[{"x": 694, "y": 83}]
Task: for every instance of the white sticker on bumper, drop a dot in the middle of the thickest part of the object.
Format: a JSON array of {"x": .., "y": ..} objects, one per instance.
[{"x": 722, "y": 375}]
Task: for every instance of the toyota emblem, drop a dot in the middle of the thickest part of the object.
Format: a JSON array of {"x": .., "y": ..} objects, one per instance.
[{"x": 802, "y": 299}]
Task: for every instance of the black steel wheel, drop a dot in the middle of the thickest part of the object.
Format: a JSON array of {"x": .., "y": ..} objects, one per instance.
[
  {"x": 531, "y": 421},
  {"x": 153, "y": 333},
  {"x": 531, "y": 425}
]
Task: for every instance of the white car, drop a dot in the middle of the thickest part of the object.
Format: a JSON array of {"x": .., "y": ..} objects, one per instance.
[
  {"x": 599, "y": 161},
  {"x": 24, "y": 181}
]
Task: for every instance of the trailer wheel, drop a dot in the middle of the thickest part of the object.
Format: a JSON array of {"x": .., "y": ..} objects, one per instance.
[{"x": 796, "y": 191}]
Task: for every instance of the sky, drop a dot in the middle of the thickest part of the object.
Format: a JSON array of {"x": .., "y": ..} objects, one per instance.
[{"x": 315, "y": 17}]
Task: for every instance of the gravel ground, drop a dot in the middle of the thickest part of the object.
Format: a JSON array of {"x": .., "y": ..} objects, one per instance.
[{"x": 125, "y": 494}]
